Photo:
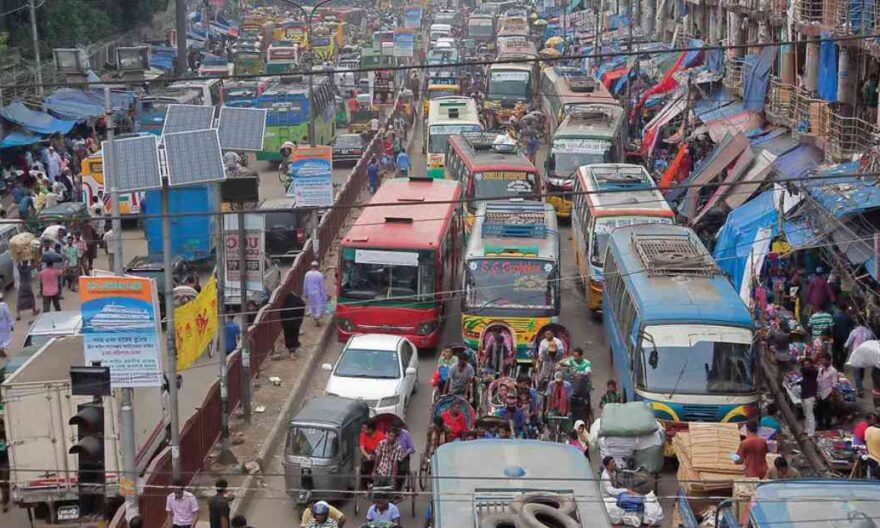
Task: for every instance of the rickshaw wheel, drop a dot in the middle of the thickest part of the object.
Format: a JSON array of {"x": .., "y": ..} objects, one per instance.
[
  {"x": 425, "y": 474},
  {"x": 413, "y": 493}
]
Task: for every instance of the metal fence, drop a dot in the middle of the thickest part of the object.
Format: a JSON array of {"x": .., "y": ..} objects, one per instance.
[{"x": 202, "y": 430}]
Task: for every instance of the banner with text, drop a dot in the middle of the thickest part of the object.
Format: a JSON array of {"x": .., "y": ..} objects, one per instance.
[
  {"x": 120, "y": 327},
  {"x": 412, "y": 17},
  {"x": 253, "y": 254},
  {"x": 195, "y": 325},
  {"x": 312, "y": 173}
]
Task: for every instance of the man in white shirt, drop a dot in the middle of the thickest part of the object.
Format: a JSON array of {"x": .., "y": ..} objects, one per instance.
[
  {"x": 608, "y": 479},
  {"x": 111, "y": 248},
  {"x": 549, "y": 337},
  {"x": 182, "y": 507}
]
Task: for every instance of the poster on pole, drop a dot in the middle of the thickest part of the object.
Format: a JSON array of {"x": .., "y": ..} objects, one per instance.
[
  {"x": 253, "y": 255},
  {"x": 404, "y": 43},
  {"x": 312, "y": 176},
  {"x": 120, "y": 327},
  {"x": 195, "y": 325},
  {"x": 412, "y": 17}
]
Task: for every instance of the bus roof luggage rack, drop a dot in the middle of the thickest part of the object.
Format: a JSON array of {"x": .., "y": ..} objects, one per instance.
[
  {"x": 672, "y": 254},
  {"x": 610, "y": 178},
  {"x": 479, "y": 140},
  {"x": 589, "y": 114},
  {"x": 583, "y": 84},
  {"x": 515, "y": 220}
]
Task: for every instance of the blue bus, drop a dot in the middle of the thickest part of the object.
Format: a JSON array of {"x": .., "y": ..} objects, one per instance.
[
  {"x": 287, "y": 118},
  {"x": 150, "y": 109},
  {"x": 681, "y": 338}
]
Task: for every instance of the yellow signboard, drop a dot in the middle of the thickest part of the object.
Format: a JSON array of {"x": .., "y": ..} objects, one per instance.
[{"x": 195, "y": 325}]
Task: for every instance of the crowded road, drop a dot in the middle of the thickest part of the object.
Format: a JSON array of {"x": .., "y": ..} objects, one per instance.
[{"x": 270, "y": 506}]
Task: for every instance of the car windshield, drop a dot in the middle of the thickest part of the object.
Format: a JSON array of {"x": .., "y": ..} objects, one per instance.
[
  {"x": 312, "y": 442},
  {"x": 391, "y": 276},
  {"x": 281, "y": 220},
  {"x": 693, "y": 360},
  {"x": 502, "y": 183},
  {"x": 357, "y": 363},
  {"x": 511, "y": 283},
  {"x": 508, "y": 85},
  {"x": 438, "y": 135},
  {"x": 349, "y": 141},
  {"x": 604, "y": 227}
]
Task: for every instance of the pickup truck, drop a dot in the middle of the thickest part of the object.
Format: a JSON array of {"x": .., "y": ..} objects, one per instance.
[{"x": 38, "y": 406}]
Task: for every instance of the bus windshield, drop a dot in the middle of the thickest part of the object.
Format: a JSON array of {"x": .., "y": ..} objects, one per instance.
[
  {"x": 604, "y": 227},
  {"x": 697, "y": 359},
  {"x": 510, "y": 283},
  {"x": 321, "y": 41},
  {"x": 312, "y": 442},
  {"x": 502, "y": 183},
  {"x": 508, "y": 85},
  {"x": 564, "y": 164},
  {"x": 394, "y": 276},
  {"x": 438, "y": 135},
  {"x": 480, "y": 28}
]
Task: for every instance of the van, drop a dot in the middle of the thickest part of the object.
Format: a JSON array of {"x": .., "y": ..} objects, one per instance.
[
  {"x": 285, "y": 228},
  {"x": 53, "y": 324},
  {"x": 439, "y": 31},
  {"x": 7, "y": 231}
]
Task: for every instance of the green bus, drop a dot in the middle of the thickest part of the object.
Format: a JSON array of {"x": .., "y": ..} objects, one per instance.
[{"x": 288, "y": 115}]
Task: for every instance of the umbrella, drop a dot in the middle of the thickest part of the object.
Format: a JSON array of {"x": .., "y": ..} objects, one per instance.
[
  {"x": 539, "y": 22},
  {"x": 553, "y": 41},
  {"x": 550, "y": 53}
]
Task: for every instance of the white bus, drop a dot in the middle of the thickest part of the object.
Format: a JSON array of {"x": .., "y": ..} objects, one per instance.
[{"x": 447, "y": 116}]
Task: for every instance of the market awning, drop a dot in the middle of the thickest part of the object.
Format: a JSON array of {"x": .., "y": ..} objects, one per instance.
[
  {"x": 724, "y": 154},
  {"x": 38, "y": 122},
  {"x": 752, "y": 181},
  {"x": 736, "y": 237},
  {"x": 19, "y": 139},
  {"x": 728, "y": 119},
  {"x": 844, "y": 196},
  {"x": 797, "y": 162}
]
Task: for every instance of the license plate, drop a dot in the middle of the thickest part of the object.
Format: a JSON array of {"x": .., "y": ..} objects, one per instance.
[
  {"x": 68, "y": 513},
  {"x": 306, "y": 463}
]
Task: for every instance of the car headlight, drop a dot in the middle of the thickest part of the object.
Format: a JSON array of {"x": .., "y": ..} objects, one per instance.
[
  {"x": 426, "y": 328},
  {"x": 389, "y": 401},
  {"x": 347, "y": 325}
]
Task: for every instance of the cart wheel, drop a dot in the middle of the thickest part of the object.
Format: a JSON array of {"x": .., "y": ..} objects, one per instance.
[
  {"x": 357, "y": 491},
  {"x": 425, "y": 474}
]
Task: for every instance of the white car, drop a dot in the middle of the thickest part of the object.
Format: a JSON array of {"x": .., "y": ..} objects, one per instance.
[{"x": 379, "y": 369}]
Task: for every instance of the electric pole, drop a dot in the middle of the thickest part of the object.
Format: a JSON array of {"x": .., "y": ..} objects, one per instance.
[
  {"x": 39, "y": 66},
  {"x": 182, "y": 59}
]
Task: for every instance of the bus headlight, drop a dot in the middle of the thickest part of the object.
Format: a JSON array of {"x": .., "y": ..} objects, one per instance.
[
  {"x": 346, "y": 325},
  {"x": 426, "y": 328},
  {"x": 388, "y": 401}
]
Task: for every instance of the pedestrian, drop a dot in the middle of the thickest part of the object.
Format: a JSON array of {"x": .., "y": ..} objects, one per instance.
[
  {"x": 49, "y": 290},
  {"x": 110, "y": 247},
  {"x": 820, "y": 320},
  {"x": 239, "y": 521},
  {"x": 315, "y": 293},
  {"x": 218, "y": 505},
  {"x": 826, "y": 379},
  {"x": 25, "y": 299},
  {"x": 373, "y": 175},
  {"x": 819, "y": 293},
  {"x": 26, "y": 205},
  {"x": 403, "y": 163},
  {"x": 7, "y": 325},
  {"x": 82, "y": 250},
  {"x": 4, "y": 467},
  {"x": 857, "y": 336},
  {"x": 383, "y": 511},
  {"x": 532, "y": 147},
  {"x": 292, "y": 314},
  {"x": 53, "y": 164},
  {"x": 182, "y": 506},
  {"x": 872, "y": 442},
  {"x": 90, "y": 240},
  {"x": 752, "y": 452},
  {"x": 809, "y": 388},
  {"x": 781, "y": 470},
  {"x": 71, "y": 263}
]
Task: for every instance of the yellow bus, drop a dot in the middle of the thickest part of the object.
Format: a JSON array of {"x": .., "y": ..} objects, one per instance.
[
  {"x": 608, "y": 196},
  {"x": 92, "y": 172}
]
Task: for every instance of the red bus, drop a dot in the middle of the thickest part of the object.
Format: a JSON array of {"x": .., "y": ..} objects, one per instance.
[{"x": 398, "y": 263}]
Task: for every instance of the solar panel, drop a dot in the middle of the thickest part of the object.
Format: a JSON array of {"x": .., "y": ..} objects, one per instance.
[
  {"x": 137, "y": 163},
  {"x": 193, "y": 158},
  {"x": 186, "y": 118},
  {"x": 242, "y": 128}
]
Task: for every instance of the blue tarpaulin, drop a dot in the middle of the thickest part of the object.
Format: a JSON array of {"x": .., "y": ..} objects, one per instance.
[
  {"x": 18, "y": 139},
  {"x": 68, "y": 103},
  {"x": 858, "y": 10},
  {"x": 756, "y": 78},
  {"x": 827, "y": 88},
  {"x": 844, "y": 196},
  {"x": 736, "y": 237},
  {"x": 34, "y": 121}
]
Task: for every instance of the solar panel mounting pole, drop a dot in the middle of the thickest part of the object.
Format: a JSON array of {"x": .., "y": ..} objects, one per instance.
[
  {"x": 170, "y": 347},
  {"x": 128, "y": 484},
  {"x": 243, "y": 318}
]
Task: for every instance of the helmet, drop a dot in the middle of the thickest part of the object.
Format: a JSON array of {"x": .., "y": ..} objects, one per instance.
[{"x": 321, "y": 508}]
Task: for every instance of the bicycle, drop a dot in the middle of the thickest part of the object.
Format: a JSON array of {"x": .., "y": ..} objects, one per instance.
[
  {"x": 557, "y": 427},
  {"x": 425, "y": 471}
]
